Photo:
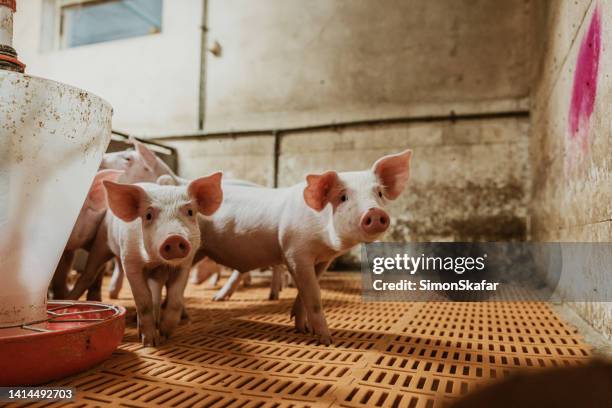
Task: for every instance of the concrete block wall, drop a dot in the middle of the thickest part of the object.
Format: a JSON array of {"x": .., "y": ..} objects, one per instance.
[
  {"x": 248, "y": 158},
  {"x": 571, "y": 145}
]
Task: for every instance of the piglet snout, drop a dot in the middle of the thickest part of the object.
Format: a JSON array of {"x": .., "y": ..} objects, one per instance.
[
  {"x": 374, "y": 221},
  {"x": 174, "y": 247}
]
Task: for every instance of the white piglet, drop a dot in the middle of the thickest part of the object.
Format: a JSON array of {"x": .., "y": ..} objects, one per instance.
[
  {"x": 140, "y": 165},
  {"x": 305, "y": 227},
  {"x": 153, "y": 231}
]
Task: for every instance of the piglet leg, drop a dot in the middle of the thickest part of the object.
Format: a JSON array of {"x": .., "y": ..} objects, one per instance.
[
  {"x": 310, "y": 295},
  {"x": 116, "y": 282},
  {"x": 156, "y": 279},
  {"x": 95, "y": 290},
  {"x": 143, "y": 298},
  {"x": 58, "y": 284},
  {"x": 98, "y": 255},
  {"x": 276, "y": 284},
  {"x": 246, "y": 279},
  {"x": 214, "y": 279},
  {"x": 298, "y": 312},
  {"x": 175, "y": 301},
  {"x": 230, "y": 286}
]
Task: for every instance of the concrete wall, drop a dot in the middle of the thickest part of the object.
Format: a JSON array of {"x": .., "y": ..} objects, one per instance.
[
  {"x": 287, "y": 64},
  {"x": 249, "y": 158},
  {"x": 152, "y": 81},
  {"x": 572, "y": 135}
]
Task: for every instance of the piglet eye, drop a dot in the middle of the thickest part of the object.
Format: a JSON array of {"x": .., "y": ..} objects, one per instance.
[
  {"x": 149, "y": 216},
  {"x": 190, "y": 212},
  {"x": 380, "y": 194},
  {"x": 343, "y": 198}
]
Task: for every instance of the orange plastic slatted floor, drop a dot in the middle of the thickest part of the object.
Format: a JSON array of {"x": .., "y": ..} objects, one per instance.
[{"x": 244, "y": 352}]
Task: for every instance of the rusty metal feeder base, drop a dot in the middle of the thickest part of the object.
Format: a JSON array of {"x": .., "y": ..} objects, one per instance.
[
  {"x": 74, "y": 337},
  {"x": 245, "y": 353}
]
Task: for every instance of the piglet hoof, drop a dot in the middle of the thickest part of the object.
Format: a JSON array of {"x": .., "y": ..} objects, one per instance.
[
  {"x": 113, "y": 294},
  {"x": 274, "y": 296},
  {"x": 219, "y": 298},
  {"x": 71, "y": 296},
  {"x": 302, "y": 327},
  {"x": 165, "y": 333},
  {"x": 184, "y": 317},
  {"x": 151, "y": 339},
  {"x": 94, "y": 296},
  {"x": 325, "y": 339}
]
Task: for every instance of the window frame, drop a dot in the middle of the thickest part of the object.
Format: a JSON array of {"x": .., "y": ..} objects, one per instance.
[{"x": 60, "y": 40}]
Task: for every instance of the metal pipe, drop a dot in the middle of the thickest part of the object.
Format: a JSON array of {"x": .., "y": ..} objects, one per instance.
[
  {"x": 452, "y": 117},
  {"x": 276, "y": 157},
  {"x": 203, "y": 65},
  {"x": 8, "y": 55},
  {"x": 6, "y": 25}
]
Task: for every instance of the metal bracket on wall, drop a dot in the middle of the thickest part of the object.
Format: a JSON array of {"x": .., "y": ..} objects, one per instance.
[{"x": 276, "y": 155}]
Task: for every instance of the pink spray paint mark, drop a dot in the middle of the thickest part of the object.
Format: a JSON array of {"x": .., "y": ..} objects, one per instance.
[{"x": 585, "y": 81}]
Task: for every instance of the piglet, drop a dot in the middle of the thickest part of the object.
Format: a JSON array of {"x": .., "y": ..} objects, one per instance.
[
  {"x": 91, "y": 215},
  {"x": 138, "y": 165},
  {"x": 153, "y": 231},
  {"x": 305, "y": 227}
]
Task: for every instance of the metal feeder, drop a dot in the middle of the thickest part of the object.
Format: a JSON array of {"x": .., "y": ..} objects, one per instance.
[
  {"x": 74, "y": 337},
  {"x": 52, "y": 140}
]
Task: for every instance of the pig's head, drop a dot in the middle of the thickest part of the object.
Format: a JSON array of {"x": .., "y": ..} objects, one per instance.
[
  {"x": 357, "y": 199},
  {"x": 141, "y": 165},
  {"x": 92, "y": 210},
  {"x": 170, "y": 228},
  {"x": 119, "y": 160}
]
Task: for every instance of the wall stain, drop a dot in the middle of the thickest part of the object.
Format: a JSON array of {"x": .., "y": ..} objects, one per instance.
[{"x": 471, "y": 212}]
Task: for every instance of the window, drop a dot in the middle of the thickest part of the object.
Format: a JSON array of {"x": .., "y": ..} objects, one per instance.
[{"x": 94, "y": 21}]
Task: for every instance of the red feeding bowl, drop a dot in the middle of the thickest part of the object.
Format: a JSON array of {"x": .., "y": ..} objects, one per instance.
[{"x": 74, "y": 337}]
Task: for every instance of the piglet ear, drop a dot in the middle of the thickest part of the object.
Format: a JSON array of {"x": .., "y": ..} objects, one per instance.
[
  {"x": 319, "y": 188},
  {"x": 207, "y": 193},
  {"x": 96, "y": 199},
  {"x": 124, "y": 200},
  {"x": 393, "y": 172},
  {"x": 149, "y": 158}
]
